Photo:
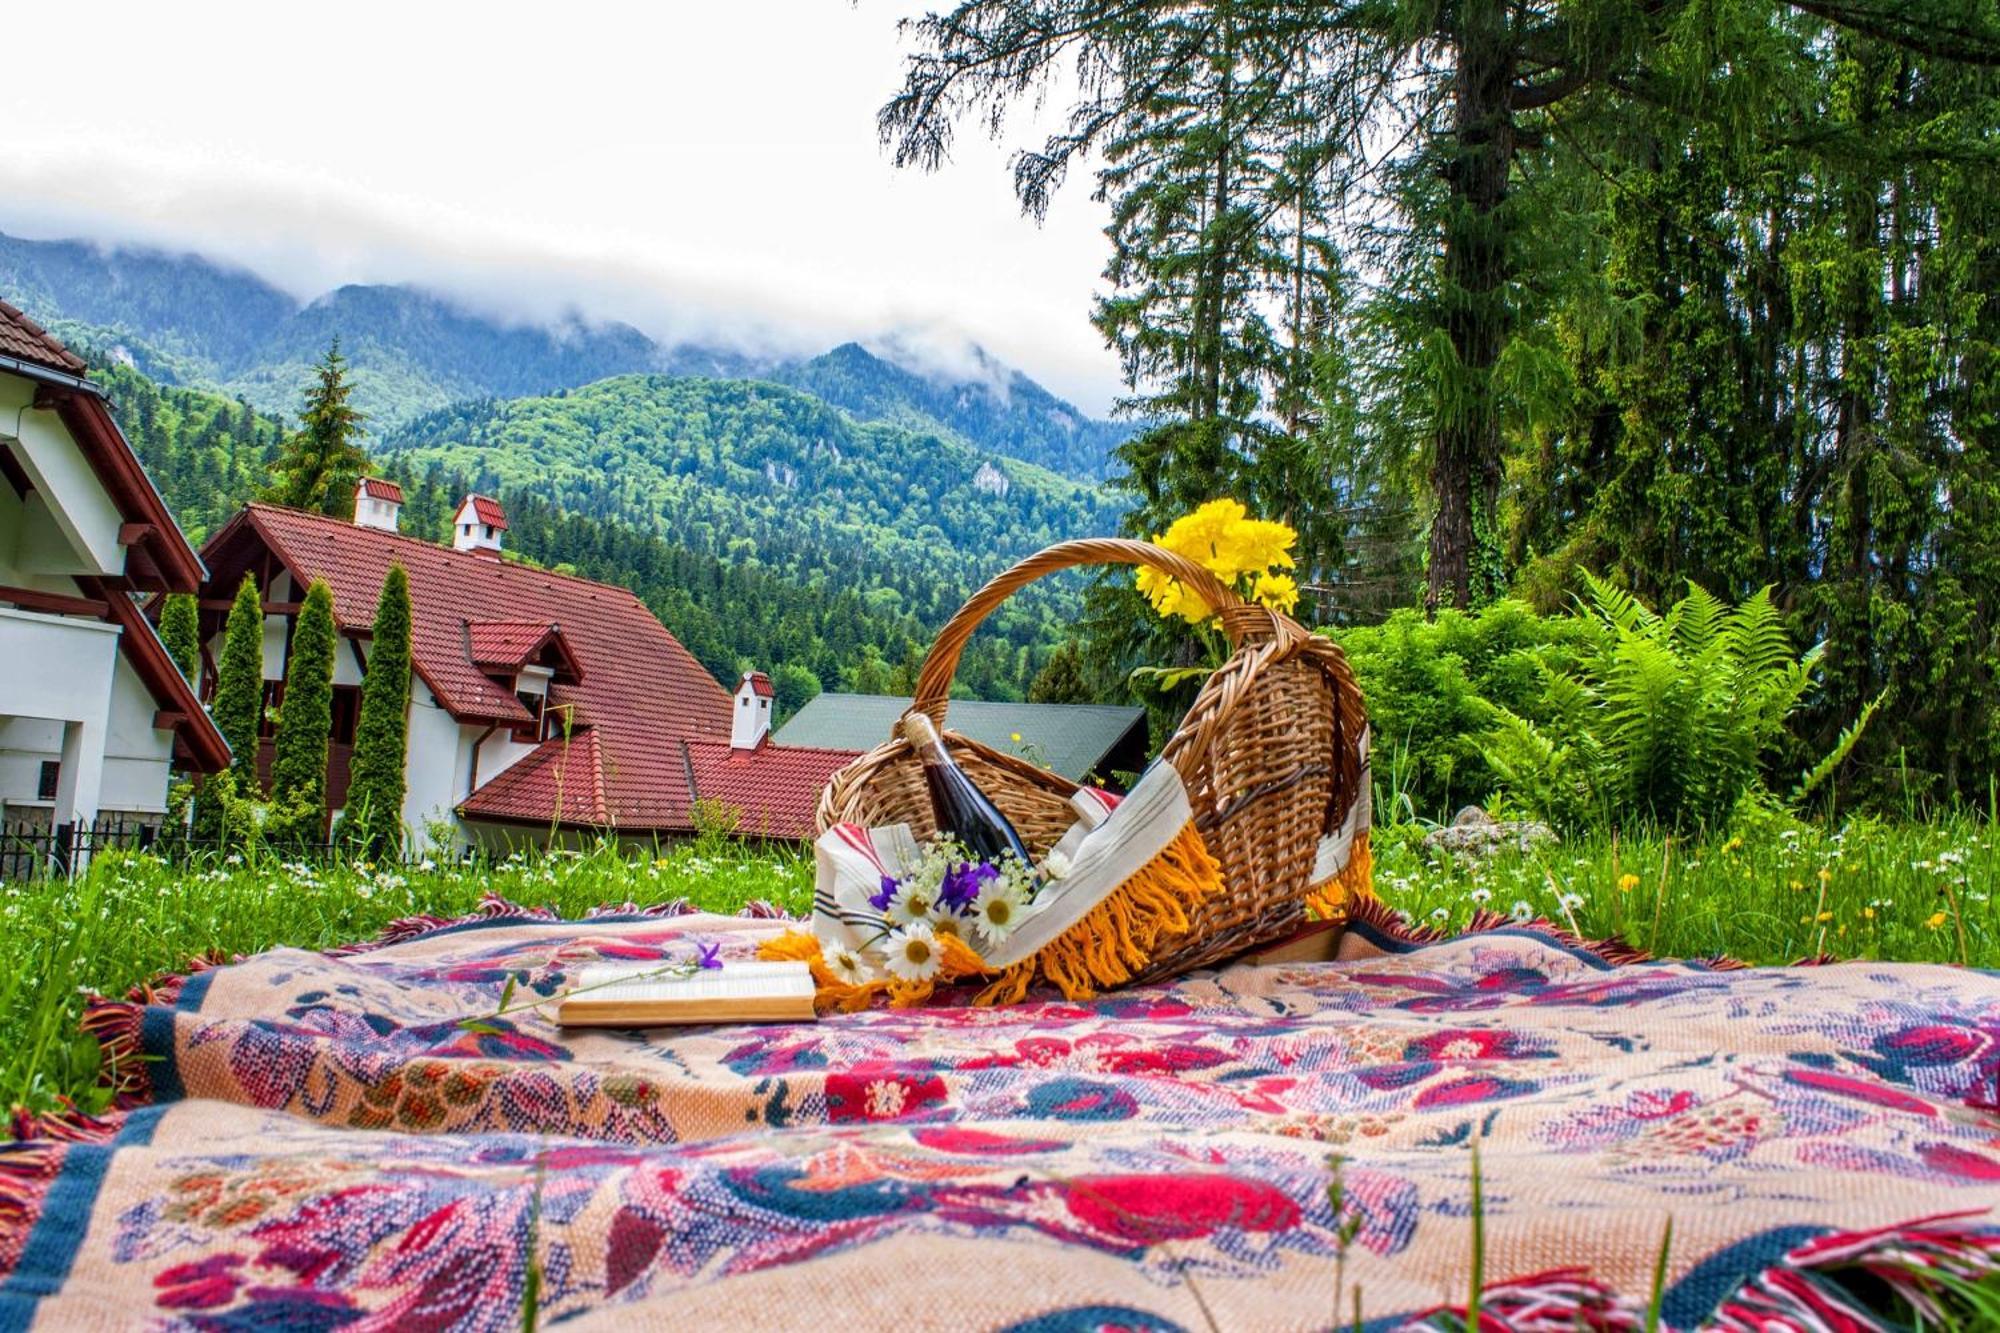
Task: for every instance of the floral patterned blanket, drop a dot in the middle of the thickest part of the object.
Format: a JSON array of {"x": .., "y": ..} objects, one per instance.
[{"x": 374, "y": 1139}]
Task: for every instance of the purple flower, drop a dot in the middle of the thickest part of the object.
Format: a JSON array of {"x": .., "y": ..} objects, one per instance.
[
  {"x": 963, "y": 883},
  {"x": 708, "y": 955},
  {"x": 880, "y": 900}
]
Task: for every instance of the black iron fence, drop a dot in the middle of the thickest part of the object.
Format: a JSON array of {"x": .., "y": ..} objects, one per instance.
[{"x": 30, "y": 849}]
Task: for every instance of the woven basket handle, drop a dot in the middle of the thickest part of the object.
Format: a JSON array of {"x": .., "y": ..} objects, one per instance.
[{"x": 1240, "y": 619}]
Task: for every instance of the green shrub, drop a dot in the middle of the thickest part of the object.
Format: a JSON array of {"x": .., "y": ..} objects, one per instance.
[
  {"x": 1432, "y": 688},
  {"x": 1668, "y": 720},
  {"x": 305, "y": 726},
  {"x": 373, "y": 817}
]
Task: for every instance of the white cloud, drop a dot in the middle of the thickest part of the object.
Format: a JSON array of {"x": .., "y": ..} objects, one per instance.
[{"x": 703, "y": 172}]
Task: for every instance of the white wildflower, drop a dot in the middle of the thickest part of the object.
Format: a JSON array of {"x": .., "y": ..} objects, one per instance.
[{"x": 913, "y": 953}]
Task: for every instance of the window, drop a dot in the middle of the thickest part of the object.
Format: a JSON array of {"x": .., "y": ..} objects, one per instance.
[
  {"x": 346, "y": 713},
  {"x": 51, "y": 778}
]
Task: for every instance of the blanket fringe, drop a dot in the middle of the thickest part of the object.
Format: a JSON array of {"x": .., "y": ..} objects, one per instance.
[
  {"x": 1560, "y": 1300},
  {"x": 1803, "y": 1291},
  {"x": 26, "y": 1172},
  {"x": 1384, "y": 920}
]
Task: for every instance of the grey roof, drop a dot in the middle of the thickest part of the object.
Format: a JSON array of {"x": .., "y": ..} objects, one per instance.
[{"x": 1072, "y": 739}]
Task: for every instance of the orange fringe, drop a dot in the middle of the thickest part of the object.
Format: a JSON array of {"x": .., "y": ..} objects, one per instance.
[
  {"x": 1113, "y": 943},
  {"x": 1331, "y": 900}
]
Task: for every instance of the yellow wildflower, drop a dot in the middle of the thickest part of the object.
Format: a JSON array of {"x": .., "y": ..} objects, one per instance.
[
  {"x": 1937, "y": 920},
  {"x": 1203, "y": 536},
  {"x": 1868, "y": 913},
  {"x": 1798, "y": 886},
  {"x": 1732, "y": 845},
  {"x": 1277, "y": 591},
  {"x": 1826, "y": 916},
  {"x": 1628, "y": 882},
  {"x": 1825, "y": 875},
  {"x": 1254, "y": 545},
  {"x": 1014, "y": 736},
  {"x": 1170, "y": 597}
]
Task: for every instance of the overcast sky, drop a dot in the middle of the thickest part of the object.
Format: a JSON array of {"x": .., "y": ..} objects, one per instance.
[{"x": 692, "y": 167}]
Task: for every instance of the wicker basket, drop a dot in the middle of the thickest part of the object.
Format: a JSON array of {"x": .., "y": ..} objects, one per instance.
[{"x": 1270, "y": 753}]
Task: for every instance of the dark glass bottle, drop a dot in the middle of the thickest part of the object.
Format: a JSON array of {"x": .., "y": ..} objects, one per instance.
[{"x": 960, "y": 808}]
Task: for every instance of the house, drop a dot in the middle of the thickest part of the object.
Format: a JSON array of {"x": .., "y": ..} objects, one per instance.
[
  {"x": 1075, "y": 740},
  {"x": 93, "y": 712},
  {"x": 542, "y": 705}
]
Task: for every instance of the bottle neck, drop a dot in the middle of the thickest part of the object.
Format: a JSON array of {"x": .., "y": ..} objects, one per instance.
[{"x": 922, "y": 735}]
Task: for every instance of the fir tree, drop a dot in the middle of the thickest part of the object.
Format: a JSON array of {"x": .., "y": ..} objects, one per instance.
[
  {"x": 322, "y": 461},
  {"x": 1061, "y": 679},
  {"x": 373, "y": 817},
  {"x": 180, "y": 631},
  {"x": 305, "y": 725},
  {"x": 238, "y": 705}
]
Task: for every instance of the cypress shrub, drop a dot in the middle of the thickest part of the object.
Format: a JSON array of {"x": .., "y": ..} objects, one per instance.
[
  {"x": 180, "y": 631},
  {"x": 305, "y": 725},
  {"x": 238, "y": 706},
  {"x": 373, "y": 821}
]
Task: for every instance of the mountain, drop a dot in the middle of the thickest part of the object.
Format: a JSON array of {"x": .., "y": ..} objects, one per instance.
[
  {"x": 723, "y": 465},
  {"x": 185, "y": 320},
  {"x": 996, "y": 408}
]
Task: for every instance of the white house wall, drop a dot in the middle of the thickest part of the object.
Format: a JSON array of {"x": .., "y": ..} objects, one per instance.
[
  {"x": 437, "y": 758},
  {"x": 74, "y": 499}
]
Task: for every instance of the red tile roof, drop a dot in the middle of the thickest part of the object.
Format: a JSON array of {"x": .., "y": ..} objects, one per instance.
[
  {"x": 508, "y": 645},
  {"x": 640, "y": 692},
  {"x": 486, "y": 511},
  {"x": 380, "y": 488},
  {"x": 560, "y": 782},
  {"x": 775, "y": 788},
  {"x": 25, "y": 340},
  {"x": 760, "y": 684}
]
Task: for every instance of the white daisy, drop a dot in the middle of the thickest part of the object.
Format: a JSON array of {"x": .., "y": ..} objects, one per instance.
[
  {"x": 847, "y": 964},
  {"x": 913, "y": 902},
  {"x": 998, "y": 910},
  {"x": 913, "y": 953}
]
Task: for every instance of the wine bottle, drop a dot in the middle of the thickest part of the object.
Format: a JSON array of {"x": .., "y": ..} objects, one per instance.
[{"x": 957, "y": 804}]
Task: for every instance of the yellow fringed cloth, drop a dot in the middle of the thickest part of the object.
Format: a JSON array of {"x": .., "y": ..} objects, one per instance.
[
  {"x": 1133, "y": 869},
  {"x": 1343, "y": 870}
]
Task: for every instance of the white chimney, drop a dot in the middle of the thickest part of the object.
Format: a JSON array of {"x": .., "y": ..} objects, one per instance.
[
  {"x": 377, "y": 504},
  {"x": 750, "y": 712},
  {"x": 478, "y": 525}
]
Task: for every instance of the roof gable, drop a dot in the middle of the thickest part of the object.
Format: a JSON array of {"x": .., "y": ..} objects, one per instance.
[{"x": 25, "y": 340}]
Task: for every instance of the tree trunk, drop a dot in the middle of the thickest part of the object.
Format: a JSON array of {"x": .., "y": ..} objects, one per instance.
[{"x": 1465, "y": 465}]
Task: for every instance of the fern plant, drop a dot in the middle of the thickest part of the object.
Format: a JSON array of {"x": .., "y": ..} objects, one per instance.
[{"x": 1672, "y": 718}]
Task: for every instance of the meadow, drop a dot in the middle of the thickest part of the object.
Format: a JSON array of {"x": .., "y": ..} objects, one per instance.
[{"x": 1772, "y": 890}]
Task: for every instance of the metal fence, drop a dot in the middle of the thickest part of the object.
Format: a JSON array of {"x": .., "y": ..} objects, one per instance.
[{"x": 29, "y": 850}]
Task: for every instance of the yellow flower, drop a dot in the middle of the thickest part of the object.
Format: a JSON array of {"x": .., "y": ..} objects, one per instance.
[
  {"x": 1277, "y": 591},
  {"x": 1732, "y": 845},
  {"x": 1170, "y": 597},
  {"x": 1825, "y": 875},
  {"x": 1937, "y": 920},
  {"x": 1868, "y": 913},
  {"x": 1201, "y": 535},
  {"x": 1254, "y": 545},
  {"x": 1628, "y": 882},
  {"x": 1014, "y": 736},
  {"x": 1826, "y": 916},
  {"x": 1798, "y": 887}
]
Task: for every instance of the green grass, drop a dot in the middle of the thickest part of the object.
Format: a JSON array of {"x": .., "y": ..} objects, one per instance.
[
  {"x": 134, "y": 917},
  {"x": 1773, "y": 891},
  {"x": 1888, "y": 891}
]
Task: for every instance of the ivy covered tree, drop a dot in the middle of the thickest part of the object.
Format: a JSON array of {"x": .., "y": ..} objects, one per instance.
[
  {"x": 322, "y": 461},
  {"x": 305, "y": 726},
  {"x": 180, "y": 631},
  {"x": 372, "y": 819}
]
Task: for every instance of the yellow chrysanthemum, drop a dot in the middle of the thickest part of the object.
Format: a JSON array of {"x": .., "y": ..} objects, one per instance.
[
  {"x": 1280, "y": 592},
  {"x": 1254, "y": 546},
  {"x": 1170, "y": 597}
]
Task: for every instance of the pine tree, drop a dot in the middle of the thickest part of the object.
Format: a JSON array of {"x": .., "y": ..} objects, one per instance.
[
  {"x": 180, "y": 631},
  {"x": 305, "y": 725},
  {"x": 1061, "y": 679},
  {"x": 322, "y": 461},
  {"x": 373, "y": 817},
  {"x": 238, "y": 705}
]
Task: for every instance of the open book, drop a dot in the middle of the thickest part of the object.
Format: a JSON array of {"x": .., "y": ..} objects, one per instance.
[{"x": 632, "y": 996}]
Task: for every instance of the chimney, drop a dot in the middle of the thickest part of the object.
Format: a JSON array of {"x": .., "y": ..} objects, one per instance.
[
  {"x": 750, "y": 713},
  {"x": 377, "y": 504},
  {"x": 478, "y": 525}
]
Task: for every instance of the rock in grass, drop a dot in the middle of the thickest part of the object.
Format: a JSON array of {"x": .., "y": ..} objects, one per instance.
[{"x": 1477, "y": 835}]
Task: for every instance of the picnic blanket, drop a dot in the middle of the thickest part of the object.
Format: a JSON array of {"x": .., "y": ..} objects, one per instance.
[{"x": 319, "y": 1142}]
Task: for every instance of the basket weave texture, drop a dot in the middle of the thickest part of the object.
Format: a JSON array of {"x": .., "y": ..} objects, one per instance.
[{"x": 1270, "y": 753}]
